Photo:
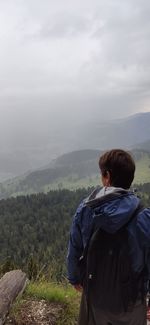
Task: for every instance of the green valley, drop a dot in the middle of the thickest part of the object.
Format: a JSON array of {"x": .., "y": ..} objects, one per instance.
[{"x": 78, "y": 169}]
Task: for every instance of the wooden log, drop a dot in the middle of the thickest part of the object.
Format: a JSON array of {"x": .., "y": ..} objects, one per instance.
[{"x": 11, "y": 285}]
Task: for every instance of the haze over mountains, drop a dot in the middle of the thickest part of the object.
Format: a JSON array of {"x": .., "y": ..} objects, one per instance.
[
  {"x": 126, "y": 133},
  {"x": 36, "y": 145},
  {"x": 72, "y": 161}
]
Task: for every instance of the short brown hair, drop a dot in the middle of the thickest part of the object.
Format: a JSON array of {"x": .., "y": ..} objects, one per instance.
[{"x": 120, "y": 165}]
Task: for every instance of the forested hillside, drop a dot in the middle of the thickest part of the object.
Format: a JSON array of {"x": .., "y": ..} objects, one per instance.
[
  {"x": 34, "y": 230},
  {"x": 72, "y": 170}
]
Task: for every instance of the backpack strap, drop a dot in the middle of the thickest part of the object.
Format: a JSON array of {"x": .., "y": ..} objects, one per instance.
[{"x": 139, "y": 208}]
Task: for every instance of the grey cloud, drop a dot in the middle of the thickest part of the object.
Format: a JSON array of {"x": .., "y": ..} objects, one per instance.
[
  {"x": 65, "y": 26},
  {"x": 125, "y": 34},
  {"x": 121, "y": 63},
  {"x": 76, "y": 54}
]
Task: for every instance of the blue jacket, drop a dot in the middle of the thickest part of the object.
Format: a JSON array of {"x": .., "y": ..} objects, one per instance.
[{"x": 110, "y": 212}]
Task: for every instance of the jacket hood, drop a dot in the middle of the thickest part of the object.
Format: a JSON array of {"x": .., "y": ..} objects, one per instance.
[{"x": 112, "y": 207}]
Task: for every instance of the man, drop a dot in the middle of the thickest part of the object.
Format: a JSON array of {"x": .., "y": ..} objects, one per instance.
[{"x": 121, "y": 229}]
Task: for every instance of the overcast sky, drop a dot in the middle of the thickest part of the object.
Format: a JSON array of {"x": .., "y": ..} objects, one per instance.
[{"x": 75, "y": 59}]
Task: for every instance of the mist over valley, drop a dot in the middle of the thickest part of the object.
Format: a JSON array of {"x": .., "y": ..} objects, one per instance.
[{"x": 36, "y": 144}]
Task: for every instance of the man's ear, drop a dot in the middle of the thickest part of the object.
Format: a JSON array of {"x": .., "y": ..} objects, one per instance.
[{"x": 108, "y": 178}]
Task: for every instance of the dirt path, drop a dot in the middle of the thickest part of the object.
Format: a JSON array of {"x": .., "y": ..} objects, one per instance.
[{"x": 33, "y": 312}]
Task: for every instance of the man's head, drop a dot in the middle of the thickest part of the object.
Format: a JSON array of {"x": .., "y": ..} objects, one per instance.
[{"x": 117, "y": 168}]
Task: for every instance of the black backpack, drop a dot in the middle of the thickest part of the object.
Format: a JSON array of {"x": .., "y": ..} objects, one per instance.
[{"x": 106, "y": 273}]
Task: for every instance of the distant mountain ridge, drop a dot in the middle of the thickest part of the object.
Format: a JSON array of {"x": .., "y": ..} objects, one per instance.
[
  {"x": 73, "y": 170},
  {"x": 124, "y": 133},
  {"x": 75, "y": 157}
]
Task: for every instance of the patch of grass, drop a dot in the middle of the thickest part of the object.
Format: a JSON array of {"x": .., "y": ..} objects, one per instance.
[
  {"x": 63, "y": 294},
  {"x": 51, "y": 292},
  {"x": 69, "y": 315},
  {"x": 142, "y": 174}
]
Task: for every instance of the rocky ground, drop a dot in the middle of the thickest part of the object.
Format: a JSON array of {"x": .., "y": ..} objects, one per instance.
[{"x": 33, "y": 312}]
